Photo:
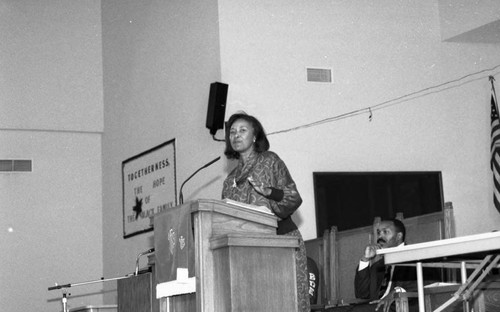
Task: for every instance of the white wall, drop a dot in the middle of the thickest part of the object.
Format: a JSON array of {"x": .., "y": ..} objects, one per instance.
[
  {"x": 54, "y": 214},
  {"x": 51, "y": 112},
  {"x": 379, "y": 51},
  {"x": 159, "y": 60},
  {"x": 462, "y": 16},
  {"x": 51, "y": 68}
]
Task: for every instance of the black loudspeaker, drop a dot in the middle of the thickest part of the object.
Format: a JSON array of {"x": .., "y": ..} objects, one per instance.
[{"x": 216, "y": 106}]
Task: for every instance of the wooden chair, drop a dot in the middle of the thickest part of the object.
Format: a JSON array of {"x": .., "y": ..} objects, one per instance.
[
  {"x": 336, "y": 253},
  {"x": 318, "y": 249}
]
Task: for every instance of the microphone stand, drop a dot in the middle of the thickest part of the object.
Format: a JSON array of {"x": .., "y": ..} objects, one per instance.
[
  {"x": 65, "y": 287},
  {"x": 181, "y": 197}
]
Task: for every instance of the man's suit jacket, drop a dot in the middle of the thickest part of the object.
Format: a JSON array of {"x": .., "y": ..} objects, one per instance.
[{"x": 367, "y": 282}]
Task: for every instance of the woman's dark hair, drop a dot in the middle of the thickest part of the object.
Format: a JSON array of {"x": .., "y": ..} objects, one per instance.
[{"x": 261, "y": 143}]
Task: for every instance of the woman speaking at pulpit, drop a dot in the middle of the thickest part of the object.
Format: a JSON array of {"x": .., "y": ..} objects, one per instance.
[{"x": 261, "y": 178}]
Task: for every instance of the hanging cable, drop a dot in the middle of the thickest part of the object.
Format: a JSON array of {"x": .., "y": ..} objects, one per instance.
[{"x": 398, "y": 100}]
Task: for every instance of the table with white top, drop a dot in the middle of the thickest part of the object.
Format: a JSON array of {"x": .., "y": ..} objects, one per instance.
[{"x": 480, "y": 251}]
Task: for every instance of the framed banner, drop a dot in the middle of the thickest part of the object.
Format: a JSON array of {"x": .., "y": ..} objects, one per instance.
[{"x": 149, "y": 187}]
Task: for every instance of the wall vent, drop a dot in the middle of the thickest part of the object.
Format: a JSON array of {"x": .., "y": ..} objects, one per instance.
[
  {"x": 15, "y": 165},
  {"x": 319, "y": 75}
]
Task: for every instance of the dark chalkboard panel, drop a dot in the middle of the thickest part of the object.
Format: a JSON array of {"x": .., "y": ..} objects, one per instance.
[{"x": 350, "y": 200}]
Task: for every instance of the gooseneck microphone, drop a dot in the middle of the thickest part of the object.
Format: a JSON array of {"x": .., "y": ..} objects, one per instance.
[
  {"x": 151, "y": 250},
  {"x": 181, "y": 198}
]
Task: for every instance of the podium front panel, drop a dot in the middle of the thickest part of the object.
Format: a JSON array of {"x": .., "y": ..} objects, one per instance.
[{"x": 211, "y": 218}]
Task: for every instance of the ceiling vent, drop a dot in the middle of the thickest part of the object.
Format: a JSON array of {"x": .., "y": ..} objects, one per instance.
[
  {"x": 15, "y": 165},
  {"x": 319, "y": 75}
]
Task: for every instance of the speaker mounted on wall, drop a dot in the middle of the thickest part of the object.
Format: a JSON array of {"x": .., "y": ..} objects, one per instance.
[{"x": 216, "y": 106}]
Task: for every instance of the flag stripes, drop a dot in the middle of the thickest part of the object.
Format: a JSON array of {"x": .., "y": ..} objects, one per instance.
[{"x": 495, "y": 152}]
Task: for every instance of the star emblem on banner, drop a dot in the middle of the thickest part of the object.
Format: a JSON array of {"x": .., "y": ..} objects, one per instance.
[{"x": 138, "y": 207}]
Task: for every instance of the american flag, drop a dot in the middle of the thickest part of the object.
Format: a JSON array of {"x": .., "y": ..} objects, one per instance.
[{"x": 495, "y": 150}]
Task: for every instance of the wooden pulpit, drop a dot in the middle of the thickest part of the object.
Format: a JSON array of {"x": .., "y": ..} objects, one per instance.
[
  {"x": 138, "y": 293},
  {"x": 240, "y": 262}
]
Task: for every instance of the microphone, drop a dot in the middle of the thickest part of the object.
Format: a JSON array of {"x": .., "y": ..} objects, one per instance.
[
  {"x": 151, "y": 250},
  {"x": 181, "y": 198}
]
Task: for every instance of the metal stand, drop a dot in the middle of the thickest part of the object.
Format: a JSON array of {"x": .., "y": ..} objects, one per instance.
[
  {"x": 65, "y": 287},
  {"x": 466, "y": 290},
  {"x": 64, "y": 301}
]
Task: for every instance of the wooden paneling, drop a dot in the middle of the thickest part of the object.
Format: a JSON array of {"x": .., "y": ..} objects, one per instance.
[
  {"x": 135, "y": 293},
  {"x": 337, "y": 254},
  {"x": 255, "y": 273}
]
